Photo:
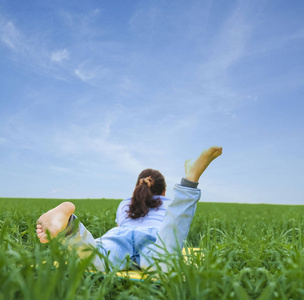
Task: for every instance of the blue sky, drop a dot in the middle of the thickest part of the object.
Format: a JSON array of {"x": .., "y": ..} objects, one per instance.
[{"x": 92, "y": 92}]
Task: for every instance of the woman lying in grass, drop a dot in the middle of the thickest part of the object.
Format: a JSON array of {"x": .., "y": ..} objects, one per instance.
[{"x": 148, "y": 223}]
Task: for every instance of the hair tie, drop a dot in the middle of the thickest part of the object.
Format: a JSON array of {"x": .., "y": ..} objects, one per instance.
[{"x": 148, "y": 181}]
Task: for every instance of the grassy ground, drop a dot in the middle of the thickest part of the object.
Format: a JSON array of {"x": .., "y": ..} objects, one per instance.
[{"x": 248, "y": 252}]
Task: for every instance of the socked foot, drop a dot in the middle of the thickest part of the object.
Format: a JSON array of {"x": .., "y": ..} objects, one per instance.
[
  {"x": 54, "y": 221},
  {"x": 194, "y": 168}
]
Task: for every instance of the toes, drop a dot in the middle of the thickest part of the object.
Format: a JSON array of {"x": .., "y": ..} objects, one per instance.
[
  {"x": 217, "y": 150},
  {"x": 39, "y": 231},
  {"x": 38, "y": 226},
  {"x": 43, "y": 239}
]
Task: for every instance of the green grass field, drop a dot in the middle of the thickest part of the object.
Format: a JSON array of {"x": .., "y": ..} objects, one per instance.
[{"x": 247, "y": 252}]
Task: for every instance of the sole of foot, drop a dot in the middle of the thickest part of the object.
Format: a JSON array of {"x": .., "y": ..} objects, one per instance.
[
  {"x": 54, "y": 221},
  {"x": 194, "y": 168}
]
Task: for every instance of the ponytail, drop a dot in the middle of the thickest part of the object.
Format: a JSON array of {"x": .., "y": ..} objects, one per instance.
[{"x": 150, "y": 183}]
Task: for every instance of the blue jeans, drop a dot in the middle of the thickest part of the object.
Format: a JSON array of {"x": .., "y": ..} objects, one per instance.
[{"x": 142, "y": 244}]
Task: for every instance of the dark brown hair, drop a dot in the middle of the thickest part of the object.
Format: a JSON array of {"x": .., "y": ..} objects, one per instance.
[{"x": 144, "y": 191}]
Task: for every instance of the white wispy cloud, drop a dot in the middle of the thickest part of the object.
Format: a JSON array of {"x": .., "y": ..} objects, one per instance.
[
  {"x": 31, "y": 50},
  {"x": 60, "y": 55},
  {"x": 99, "y": 149},
  {"x": 94, "y": 142},
  {"x": 36, "y": 52},
  {"x": 16, "y": 40},
  {"x": 229, "y": 46},
  {"x": 10, "y": 36},
  {"x": 127, "y": 86},
  {"x": 212, "y": 73},
  {"x": 87, "y": 70}
]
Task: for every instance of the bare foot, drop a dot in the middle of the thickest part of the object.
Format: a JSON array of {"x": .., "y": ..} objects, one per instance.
[
  {"x": 54, "y": 221},
  {"x": 194, "y": 168}
]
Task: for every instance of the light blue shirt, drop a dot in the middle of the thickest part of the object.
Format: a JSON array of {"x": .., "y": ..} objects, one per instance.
[{"x": 154, "y": 218}]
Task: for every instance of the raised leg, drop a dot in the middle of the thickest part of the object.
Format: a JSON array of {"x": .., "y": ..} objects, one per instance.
[{"x": 180, "y": 212}]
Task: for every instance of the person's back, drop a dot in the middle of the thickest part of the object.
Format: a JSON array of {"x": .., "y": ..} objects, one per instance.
[{"x": 153, "y": 218}]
